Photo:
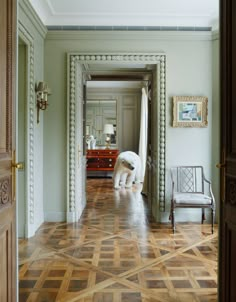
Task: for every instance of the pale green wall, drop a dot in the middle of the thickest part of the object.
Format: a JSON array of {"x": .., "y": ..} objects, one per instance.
[
  {"x": 55, "y": 131},
  {"x": 189, "y": 72}
]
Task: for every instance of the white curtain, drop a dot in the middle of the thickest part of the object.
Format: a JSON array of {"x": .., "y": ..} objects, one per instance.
[{"x": 143, "y": 131}]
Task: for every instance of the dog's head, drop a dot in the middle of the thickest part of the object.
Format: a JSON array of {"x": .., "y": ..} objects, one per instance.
[{"x": 128, "y": 165}]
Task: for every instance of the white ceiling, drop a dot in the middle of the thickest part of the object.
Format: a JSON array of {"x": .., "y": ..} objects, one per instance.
[
  {"x": 187, "y": 13},
  {"x": 115, "y": 84}
]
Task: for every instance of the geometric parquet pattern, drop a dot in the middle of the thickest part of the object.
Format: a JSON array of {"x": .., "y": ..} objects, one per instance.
[{"x": 117, "y": 253}]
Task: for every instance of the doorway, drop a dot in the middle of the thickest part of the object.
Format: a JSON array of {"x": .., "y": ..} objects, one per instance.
[
  {"x": 118, "y": 105},
  {"x": 77, "y": 177},
  {"x": 118, "y": 102}
]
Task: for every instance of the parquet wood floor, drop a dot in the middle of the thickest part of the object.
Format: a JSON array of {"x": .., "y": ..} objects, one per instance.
[{"x": 117, "y": 253}]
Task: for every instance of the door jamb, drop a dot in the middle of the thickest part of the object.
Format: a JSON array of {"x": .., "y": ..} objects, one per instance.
[{"x": 29, "y": 112}]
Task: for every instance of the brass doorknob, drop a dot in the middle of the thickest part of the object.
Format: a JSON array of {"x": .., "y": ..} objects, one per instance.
[
  {"x": 19, "y": 166},
  {"x": 220, "y": 165}
]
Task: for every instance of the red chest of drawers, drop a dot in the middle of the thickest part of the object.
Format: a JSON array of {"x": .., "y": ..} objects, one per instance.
[{"x": 101, "y": 159}]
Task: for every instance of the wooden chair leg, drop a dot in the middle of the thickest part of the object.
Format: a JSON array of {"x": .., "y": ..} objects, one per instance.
[
  {"x": 203, "y": 215},
  {"x": 173, "y": 220},
  {"x": 212, "y": 220},
  {"x": 171, "y": 217}
]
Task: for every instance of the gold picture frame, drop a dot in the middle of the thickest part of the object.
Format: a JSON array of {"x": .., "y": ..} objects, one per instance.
[{"x": 190, "y": 111}]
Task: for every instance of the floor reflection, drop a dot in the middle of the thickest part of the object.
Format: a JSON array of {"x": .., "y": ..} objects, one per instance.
[{"x": 117, "y": 252}]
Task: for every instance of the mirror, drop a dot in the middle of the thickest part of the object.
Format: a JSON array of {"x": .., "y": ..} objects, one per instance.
[{"x": 99, "y": 113}]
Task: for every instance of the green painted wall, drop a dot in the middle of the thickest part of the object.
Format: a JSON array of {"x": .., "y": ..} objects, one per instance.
[{"x": 189, "y": 72}]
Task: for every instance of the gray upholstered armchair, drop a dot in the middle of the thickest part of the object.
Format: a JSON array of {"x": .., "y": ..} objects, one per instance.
[{"x": 189, "y": 190}]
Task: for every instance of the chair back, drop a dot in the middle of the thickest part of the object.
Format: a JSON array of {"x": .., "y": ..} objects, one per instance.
[{"x": 188, "y": 179}]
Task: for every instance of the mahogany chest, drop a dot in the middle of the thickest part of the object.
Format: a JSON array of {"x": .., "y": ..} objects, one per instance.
[{"x": 101, "y": 159}]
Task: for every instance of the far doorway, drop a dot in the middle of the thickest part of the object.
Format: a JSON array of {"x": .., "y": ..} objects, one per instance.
[{"x": 113, "y": 106}]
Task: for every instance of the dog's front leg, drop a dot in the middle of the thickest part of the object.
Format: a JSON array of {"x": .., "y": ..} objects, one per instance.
[
  {"x": 123, "y": 178},
  {"x": 129, "y": 181},
  {"x": 116, "y": 179}
]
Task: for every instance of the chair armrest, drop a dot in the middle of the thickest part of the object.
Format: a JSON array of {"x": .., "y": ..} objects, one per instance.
[
  {"x": 210, "y": 189},
  {"x": 206, "y": 180}
]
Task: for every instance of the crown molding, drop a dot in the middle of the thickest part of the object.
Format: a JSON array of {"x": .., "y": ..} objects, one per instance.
[
  {"x": 129, "y": 19},
  {"x": 123, "y": 13},
  {"x": 129, "y": 35},
  {"x": 26, "y": 7}
]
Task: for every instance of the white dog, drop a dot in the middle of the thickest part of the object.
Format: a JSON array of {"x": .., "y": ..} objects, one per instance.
[{"x": 127, "y": 170}]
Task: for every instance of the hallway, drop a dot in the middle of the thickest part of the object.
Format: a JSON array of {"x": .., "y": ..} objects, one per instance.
[{"x": 116, "y": 253}]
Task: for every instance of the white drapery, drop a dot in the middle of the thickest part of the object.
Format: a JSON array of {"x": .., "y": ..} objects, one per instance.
[{"x": 143, "y": 138}]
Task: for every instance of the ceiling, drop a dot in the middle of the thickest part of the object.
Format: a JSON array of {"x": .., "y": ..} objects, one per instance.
[
  {"x": 131, "y": 13},
  {"x": 168, "y": 13},
  {"x": 115, "y": 84}
]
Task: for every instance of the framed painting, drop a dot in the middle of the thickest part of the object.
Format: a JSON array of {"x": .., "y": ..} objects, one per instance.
[{"x": 190, "y": 111}]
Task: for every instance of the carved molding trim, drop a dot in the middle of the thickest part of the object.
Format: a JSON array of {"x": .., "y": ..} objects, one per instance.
[
  {"x": 77, "y": 59},
  {"x": 162, "y": 131},
  {"x": 27, "y": 38},
  {"x": 5, "y": 191},
  {"x": 10, "y": 73},
  {"x": 72, "y": 136},
  {"x": 231, "y": 194}
]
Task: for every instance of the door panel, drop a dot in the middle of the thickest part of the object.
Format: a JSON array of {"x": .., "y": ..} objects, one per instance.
[
  {"x": 7, "y": 145},
  {"x": 227, "y": 261}
]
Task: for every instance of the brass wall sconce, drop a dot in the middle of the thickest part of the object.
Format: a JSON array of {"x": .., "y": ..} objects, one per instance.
[{"x": 42, "y": 92}]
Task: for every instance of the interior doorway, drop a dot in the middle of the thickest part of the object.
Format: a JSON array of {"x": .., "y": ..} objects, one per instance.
[
  {"x": 115, "y": 104},
  {"x": 82, "y": 66},
  {"x": 118, "y": 102}
]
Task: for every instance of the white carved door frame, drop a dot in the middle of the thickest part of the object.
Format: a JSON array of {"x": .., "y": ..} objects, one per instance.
[
  {"x": 30, "y": 109},
  {"x": 75, "y": 204}
]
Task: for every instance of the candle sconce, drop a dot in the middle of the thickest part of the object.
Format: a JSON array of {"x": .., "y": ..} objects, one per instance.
[{"x": 42, "y": 92}]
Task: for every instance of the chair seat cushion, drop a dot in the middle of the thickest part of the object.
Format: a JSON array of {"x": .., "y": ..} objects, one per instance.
[{"x": 192, "y": 198}]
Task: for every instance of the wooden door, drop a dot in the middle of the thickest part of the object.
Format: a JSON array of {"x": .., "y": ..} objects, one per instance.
[
  {"x": 7, "y": 145},
  {"x": 227, "y": 238}
]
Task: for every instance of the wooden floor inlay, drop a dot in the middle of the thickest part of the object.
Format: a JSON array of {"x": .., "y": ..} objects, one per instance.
[{"x": 117, "y": 253}]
